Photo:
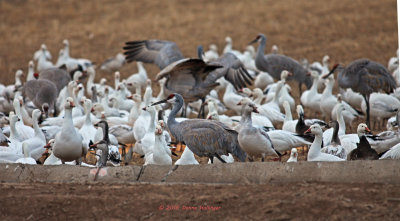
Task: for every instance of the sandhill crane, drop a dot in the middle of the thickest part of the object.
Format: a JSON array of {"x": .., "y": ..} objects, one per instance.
[
  {"x": 193, "y": 78},
  {"x": 203, "y": 137},
  {"x": 274, "y": 64},
  {"x": 365, "y": 76}
]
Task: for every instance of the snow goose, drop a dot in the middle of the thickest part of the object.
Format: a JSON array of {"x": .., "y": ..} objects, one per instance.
[
  {"x": 349, "y": 113},
  {"x": 39, "y": 52},
  {"x": 263, "y": 79},
  {"x": 27, "y": 159},
  {"x": 342, "y": 127},
  {"x": 25, "y": 115},
  {"x": 382, "y": 106},
  {"x": 72, "y": 63},
  {"x": 392, "y": 153},
  {"x": 24, "y": 131},
  {"x": 9, "y": 91},
  {"x": 258, "y": 96},
  {"x": 31, "y": 71},
  {"x": 187, "y": 158},
  {"x": 271, "y": 89},
  {"x": 43, "y": 63},
  {"x": 315, "y": 154},
  {"x": 123, "y": 103},
  {"x": 322, "y": 69},
  {"x": 158, "y": 155},
  {"x": 335, "y": 148},
  {"x": 228, "y": 47},
  {"x": 68, "y": 144},
  {"x": 140, "y": 77},
  {"x": 288, "y": 124},
  {"x": 213, "y": 113},
  {"x": 231, "y": 99},
  {"x": 36, "y": 143},
  {"x": 254, "y": 141},
  {"x": 293, "y": 155},
  {"x": 285, "y": 140},
  {"x": 43, "y": 93},
  {"x": 88, "y": 131},
  {"x": 147, "y": 142},
  {"x": 211, "y": 54},
  {"x": 363, "y": 150},
  {"x": 328, "y": 101},
  {"x": 311, "y": 98},
  {"x": 353, "y": 98},
  {"x": 113, "y": 64},
  {"x": 14, "y": 145},
  {"x": 260, "y": 119}
]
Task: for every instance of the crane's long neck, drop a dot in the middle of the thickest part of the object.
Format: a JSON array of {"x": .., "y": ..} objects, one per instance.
[
  {"x": 315, "y": 148},
  {"x": 261, "y": 48},
  {"x": 344, "y": 80},
  {"x": 171, "y": 118}
]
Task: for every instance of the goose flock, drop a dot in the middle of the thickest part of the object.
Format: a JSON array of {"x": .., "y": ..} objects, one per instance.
[{"x": 232, "y": 107}]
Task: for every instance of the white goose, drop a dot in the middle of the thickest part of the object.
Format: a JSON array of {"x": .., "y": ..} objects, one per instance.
[
  {"x": 392, "y": 153},
  {"x": 335, "y": 148},
  {"x": 43, "y": 63},
  {"x": 37, "y": 53},
  {"x": 315, "y": 154},
  {"x": 140, "y": 78},
  {"x": 349, "y": 113},
  {"x": 147, "y": 142},
  {"x": 228, "y": 47},
  {"x": 158, "y": 154},
  {"x": 382, "y": 106},
  {"x": 260, "y": 119},
  {"x": 69, "y": 144},
  {"x": 88, "y": 131},
  {"x": 322, "y": 69},
  {"x": 231, "y": 99},
  {"x": 36, "y": 143},
  {"x": 327, "y": 135},
  {"x": 254, "y": 141},
  {"x": 288, "y": 124},
  {"x": 211, "y": 54},
  {"x": 27, "y": 159},
  {"x": 24, "y": 131},
  {"x": 31, "y": 71},
  {"x": 284, "y": 140},
  {"x": 293, "y": 155},
  {"x": 311, "y": 98}
]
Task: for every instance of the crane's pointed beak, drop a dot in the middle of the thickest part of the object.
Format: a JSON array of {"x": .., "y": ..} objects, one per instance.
[
  {"x": 160, "y": 102},
  {"x": 254, "y": 41},
  {"x": 331, "y": 72}
]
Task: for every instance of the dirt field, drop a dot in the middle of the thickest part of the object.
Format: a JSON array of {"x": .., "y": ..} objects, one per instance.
[
  {"x": 344, "y": 29},
  {"x": 303, "y": 201}
]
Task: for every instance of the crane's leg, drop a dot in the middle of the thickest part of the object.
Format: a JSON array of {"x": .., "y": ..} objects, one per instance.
[
  {"x": 201, "y": 111},
  {"x": 219, "y": 158},
  {"x": 211, "y": 159},
  {"x": 366, "y": 98},
  {"x": 299, "y": 89}
]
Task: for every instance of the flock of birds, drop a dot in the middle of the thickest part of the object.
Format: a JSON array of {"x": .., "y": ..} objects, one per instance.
[{"x": 54, "y": 115}]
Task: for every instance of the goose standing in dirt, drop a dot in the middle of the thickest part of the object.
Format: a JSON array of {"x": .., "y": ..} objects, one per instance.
[
  {"x": 69, "y": 144},
  {"x": 254, "y": 141},
  {"x": 311, "y": 98},
  {"x": 203, "y": 137},
  {"x": 315, "y": 154}
]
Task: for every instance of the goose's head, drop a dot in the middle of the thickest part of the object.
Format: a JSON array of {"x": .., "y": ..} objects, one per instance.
[
  {"x": 325, "y": 59},
  {"x": 36, "y": 114},
  {"x": 162, "y": 81},
  {"x": 314, "y": 129},
  {"x": 285, "y": 74},
  {"x": 14, "y": 119},
  {"x": 213, "y": 47},
  {"x": 274, "y": 49},
  {"x": 150, "y": 109},
  {"x": 228, "y": 40},
  {"x": 136, "y": 98},
  {"x": 161, "y": 123},
  {"x": 43, "y": 47},
  {"x": 362, "y": 129},
  {"x": 257, "y": 92},
  {"x": 120, "y": 57},
  {"x": 19, "y": 74},
  {"x": 148, "y": 83},
  {"x": 313, "y": 74},
  {"x": 31, "y": 65},
  {"x": 244, "y": 101},
  {"x": 246, "y": 91},
  {"x": 293, "y": 153},
  {"x": 249, "y": 107},
  {"x": 87, "y": 103},
  {"x": 213, "y": 116},
  {"x": 159, "y": 130},
  {"x": 66, "y": 43},
  {"x": 299, "y": 110},
  {"x": 103, "y": 81},
  {"x": 77, "y": 75},
  {"x": 97, "y": 108},
  {"x": 117, "y": 75},
  {"x": 69, "y": 104},
  {"x": 50, "y": 144}
]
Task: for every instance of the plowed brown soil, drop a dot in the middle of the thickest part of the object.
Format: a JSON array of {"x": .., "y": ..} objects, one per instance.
[{"x": 344, "y": 29}]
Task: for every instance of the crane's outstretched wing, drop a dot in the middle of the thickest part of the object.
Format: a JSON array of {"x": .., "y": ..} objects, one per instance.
[
  {"x": 233, "y": 70},
  {"x": 159, "y": 52}
]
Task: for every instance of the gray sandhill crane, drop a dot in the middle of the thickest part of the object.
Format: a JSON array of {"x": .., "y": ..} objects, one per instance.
[
  {"x": 191, "y": 77},
  {"x": 205, "y": 138},
  {"x": 43, "y": 93},
  {"x": 365, "y": 76},
  {"x": 274, "y": 64}
]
